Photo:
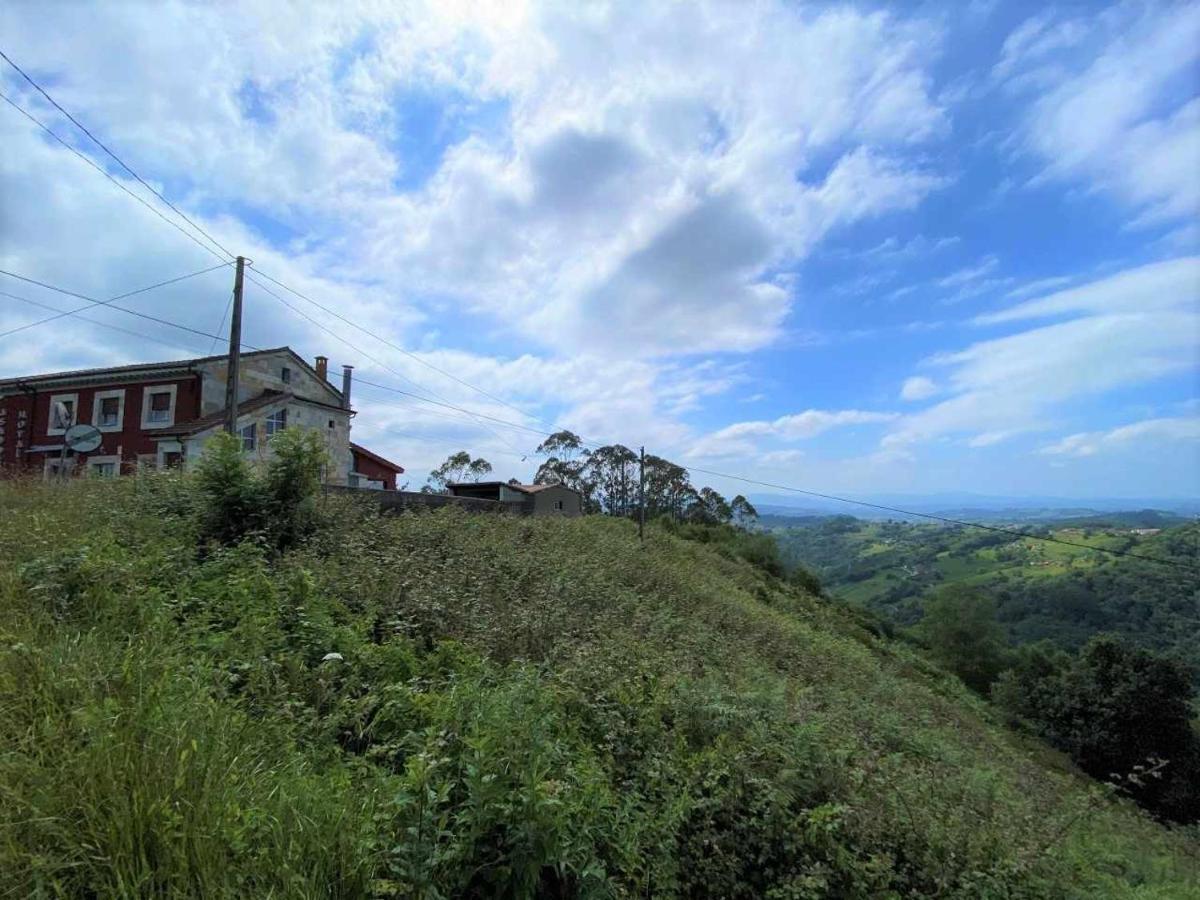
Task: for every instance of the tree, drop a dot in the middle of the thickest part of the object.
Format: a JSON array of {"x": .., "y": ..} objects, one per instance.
[
  {"x": 743, "y": 511},
  {"x": 708, "y": 507},
  {"x": 612, "y": 473},
  {"x": 1117, "y": 710},
  {"x": 457, "y": 467},
  {"x": 959, "y": 626},
  {"x": 566, "y": 463}
]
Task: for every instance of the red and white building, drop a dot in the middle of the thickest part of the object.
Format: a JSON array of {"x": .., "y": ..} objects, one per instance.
[{"x": 159, "y": 415}]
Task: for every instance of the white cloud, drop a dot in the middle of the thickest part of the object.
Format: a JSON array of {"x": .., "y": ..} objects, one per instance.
[
  {"x": 969, "y": 274},
  {"x": 741, "y": 438},
  {"x": 1135, "y": 435},
  {"x": 918, "y": 387},
  {"x": 1117, "y": 116},
  {"x": 1169, "y": 285},
  {"x": 1134, "y": 327}
]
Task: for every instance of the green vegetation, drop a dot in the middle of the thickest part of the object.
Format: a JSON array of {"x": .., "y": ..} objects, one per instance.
[
  {"x": 1042, "y": 591},
  {"x": 1122, "y": 713},
  {"x": 444, "y": 705}
]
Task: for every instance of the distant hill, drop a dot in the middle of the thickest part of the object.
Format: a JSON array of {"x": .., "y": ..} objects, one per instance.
[
  {"x": 972, "y": 507},
  {"x": 1044, "y": 590}
]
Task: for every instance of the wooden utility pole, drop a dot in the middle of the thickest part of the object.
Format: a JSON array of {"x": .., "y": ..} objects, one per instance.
[
  {"x": 235, "y": 350},
  {"x": 642, "y": 494}
]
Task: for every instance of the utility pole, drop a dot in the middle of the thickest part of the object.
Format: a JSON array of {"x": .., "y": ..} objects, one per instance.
[
  {"x": 235, "y": 350},
  {"x": 642, "y": 494}
]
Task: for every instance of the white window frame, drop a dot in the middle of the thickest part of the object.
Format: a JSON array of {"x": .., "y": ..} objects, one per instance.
[
  {"x": 98, "y": 399},
  {"x": 158, "y": 389},
  {"x": 165, "y": 447},
  {"x": 253, "y": 429},
  {"x": 96, "y": 461},
  {"x": 285, "y": 374},
  {"x": 55, "y": 398},
  {"x": 271, "y": 431}
]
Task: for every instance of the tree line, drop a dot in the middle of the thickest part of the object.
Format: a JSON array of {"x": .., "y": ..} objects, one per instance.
[{"x": 609, "y": 481}]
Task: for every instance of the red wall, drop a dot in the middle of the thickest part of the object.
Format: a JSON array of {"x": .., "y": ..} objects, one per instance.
[
  {"x": 128, "y": 442},
  {"x": 366, "y": 466}
]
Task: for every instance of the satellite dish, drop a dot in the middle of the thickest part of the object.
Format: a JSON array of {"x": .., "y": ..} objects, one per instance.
[{"x": 82, "y": 438}]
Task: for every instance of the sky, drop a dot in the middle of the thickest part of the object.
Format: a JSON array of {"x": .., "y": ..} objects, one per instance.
[{"x": 903, "y": 248}]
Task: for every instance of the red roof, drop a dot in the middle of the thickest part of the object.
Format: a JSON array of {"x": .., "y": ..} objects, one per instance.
[{"x": 360, "y": 450}]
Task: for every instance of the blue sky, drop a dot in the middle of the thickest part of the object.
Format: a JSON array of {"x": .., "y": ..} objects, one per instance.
[{"x": 858, "y": 248}]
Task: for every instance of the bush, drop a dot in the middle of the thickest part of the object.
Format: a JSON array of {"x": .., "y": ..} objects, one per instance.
[{"x": 278, "y": 506}]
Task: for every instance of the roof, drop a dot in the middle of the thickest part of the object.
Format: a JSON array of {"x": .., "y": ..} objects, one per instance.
[
  {"x": 195, "y": 426},
  {"x": 135, "y": 369},
  {"x": 376, "y": 458}
]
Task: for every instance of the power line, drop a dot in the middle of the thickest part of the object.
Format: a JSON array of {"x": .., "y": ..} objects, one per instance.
[
  {"x": 400, "y": 349},
  {"x": 478, "y": 416},
  {"x": 193, "y": 238},
  {"x": 1011, "y": 532},
  {"x": 94, "y": 302},
  {"x": 91, "y": 162},
  {"x": 114, "y": 156},
  {"x": 90, "y": 320}
]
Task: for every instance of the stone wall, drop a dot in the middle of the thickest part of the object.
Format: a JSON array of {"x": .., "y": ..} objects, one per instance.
[{"x": 401, "y": 500}]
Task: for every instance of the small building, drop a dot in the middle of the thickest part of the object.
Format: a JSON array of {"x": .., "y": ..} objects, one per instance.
[
  {"x": 535, "y": 499},
  {"x": 160, "y": 415},
  {"x": 371, "y": 470}
]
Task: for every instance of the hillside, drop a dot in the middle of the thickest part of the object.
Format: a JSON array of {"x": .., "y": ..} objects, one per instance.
[
  {"x": 442, "y": 705},
  {"x": 1043, "y": 590}
]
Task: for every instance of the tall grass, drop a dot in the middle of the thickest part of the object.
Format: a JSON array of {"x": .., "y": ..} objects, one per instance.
[{"x": 442, "y": 705}]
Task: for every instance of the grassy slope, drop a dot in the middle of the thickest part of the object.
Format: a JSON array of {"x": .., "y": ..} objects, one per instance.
[{"x": 524, "y": 708}]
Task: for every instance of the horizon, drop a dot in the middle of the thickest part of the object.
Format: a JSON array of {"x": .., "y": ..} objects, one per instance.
[{"x": 856, "y": 249}]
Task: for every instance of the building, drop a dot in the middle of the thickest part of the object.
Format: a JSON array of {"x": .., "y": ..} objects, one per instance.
[
  {"x": 536, "y": 499},
  {"x": 371, "y": 470},
  {"x": 159, "y": 415}
]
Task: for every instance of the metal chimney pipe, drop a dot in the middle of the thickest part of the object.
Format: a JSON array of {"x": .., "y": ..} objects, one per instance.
[
  {"x": 347, "y": 376},
  {"x": 323, "y": 368}
]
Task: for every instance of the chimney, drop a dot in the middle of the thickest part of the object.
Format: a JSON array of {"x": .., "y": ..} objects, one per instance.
[
  {"x": 347, "y": 375},
  {"x": 323, "y": 368}
]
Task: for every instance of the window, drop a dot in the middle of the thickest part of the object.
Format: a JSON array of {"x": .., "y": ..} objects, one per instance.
[
  {"x": 248, "y": 435},
  {"x": 158, "y": 406},
  {"x": 286, "y": 375},
  {"x": 64, "y": 412},
  {"x": 558, "y": 504},
  {"x": 277, "y": 421},
  {"x": 331, "y": 423},
  {"x": 108, "y": 410}
]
